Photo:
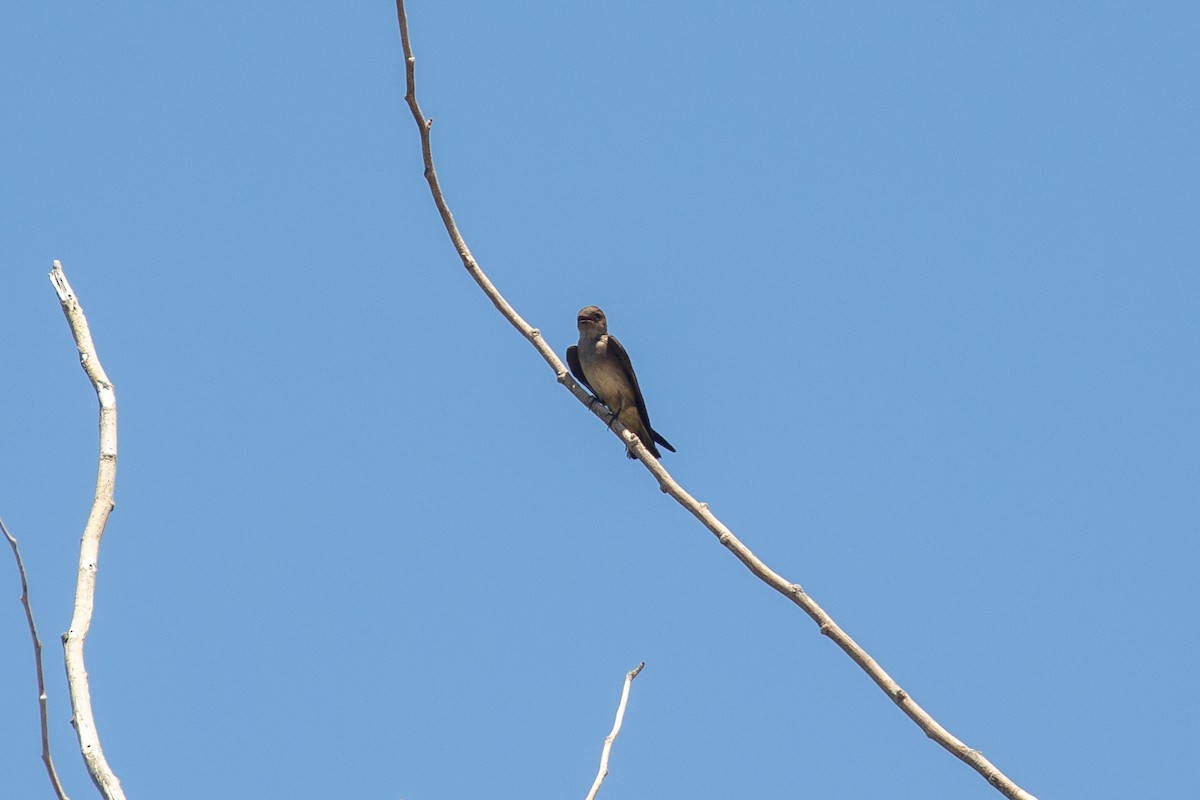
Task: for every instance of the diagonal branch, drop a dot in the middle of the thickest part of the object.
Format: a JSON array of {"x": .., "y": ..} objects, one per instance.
[
  {"x": 616, "y": 728},
  {"x": 524, "y": 328},
  {"x": 89, "y": 549},
  {"x": 37, "y": 663},
  {"x": 792, "y": 591}
]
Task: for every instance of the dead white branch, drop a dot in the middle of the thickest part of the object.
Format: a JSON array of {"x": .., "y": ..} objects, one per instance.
[
  {"x": 612, "y": 736},
  {"x": 89, "y": 549},
  {"x": 790, "y": 590},
  {"x": 37, "y": 663}
]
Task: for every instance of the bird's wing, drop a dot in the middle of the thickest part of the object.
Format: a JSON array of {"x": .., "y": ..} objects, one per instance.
[
  {"x": 658, "y": 438},
  {"x": 617, "y": 350},
  {"x": 576, "y": 367}
]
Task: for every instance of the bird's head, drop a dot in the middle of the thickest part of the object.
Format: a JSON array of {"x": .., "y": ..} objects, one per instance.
[{"x": 592, "y": 322}]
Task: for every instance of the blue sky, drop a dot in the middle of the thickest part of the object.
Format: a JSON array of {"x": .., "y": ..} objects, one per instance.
[{"x": 913, "y": 290}]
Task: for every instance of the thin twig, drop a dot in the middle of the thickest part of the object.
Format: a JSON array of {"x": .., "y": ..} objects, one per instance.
[
  {"x": 37, "y": 663},
  {"x": 612, "y": 736},
  {"x": 792, "y": 591},
  {"x": 89, "y": 549},
  {"x": 509, "y": 313}
]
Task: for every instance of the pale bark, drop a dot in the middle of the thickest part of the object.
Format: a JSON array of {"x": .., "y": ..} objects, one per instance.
[
  {"x": 89, "y": 549},
  {"x": 616, "y": 728}
]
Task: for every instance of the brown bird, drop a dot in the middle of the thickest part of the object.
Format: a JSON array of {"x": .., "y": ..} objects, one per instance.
[{"x": 601, "y": 364}]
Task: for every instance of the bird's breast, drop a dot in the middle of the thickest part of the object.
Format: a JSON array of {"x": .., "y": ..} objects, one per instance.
[{"x": 606, "y": 375}]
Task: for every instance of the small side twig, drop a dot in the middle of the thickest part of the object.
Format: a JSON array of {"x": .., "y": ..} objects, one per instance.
[
  {"x": 89, "y": 549},
  {"x": 612, "y": 736},
  {"x": 47, "y": 759}
]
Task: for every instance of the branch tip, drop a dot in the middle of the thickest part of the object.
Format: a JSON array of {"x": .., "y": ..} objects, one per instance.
[
  {"x": 608, "y": 740},
  {"x": 82, "y": 718}
]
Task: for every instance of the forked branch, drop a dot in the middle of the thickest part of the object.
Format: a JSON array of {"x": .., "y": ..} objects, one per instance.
[{"x": 792, "y": 591}]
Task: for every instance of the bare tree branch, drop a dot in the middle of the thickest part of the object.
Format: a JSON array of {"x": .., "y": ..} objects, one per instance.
[
  {"x": 792, "y": 591},
  {"x": 89, "y": 549},
  {"x": 524, "y": 328},
  {"x": 37, "y": 663},
  {"x": 612, "y": 736}
]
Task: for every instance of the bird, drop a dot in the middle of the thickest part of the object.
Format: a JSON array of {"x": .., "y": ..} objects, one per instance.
[{"x": 601, "y": 364}]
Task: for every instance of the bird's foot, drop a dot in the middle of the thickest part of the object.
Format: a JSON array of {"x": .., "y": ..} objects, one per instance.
[{"x": 612, "y": 418}]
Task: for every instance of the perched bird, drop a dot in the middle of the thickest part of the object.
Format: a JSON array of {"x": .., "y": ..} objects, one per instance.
[{"x": 601, "y": 364}]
